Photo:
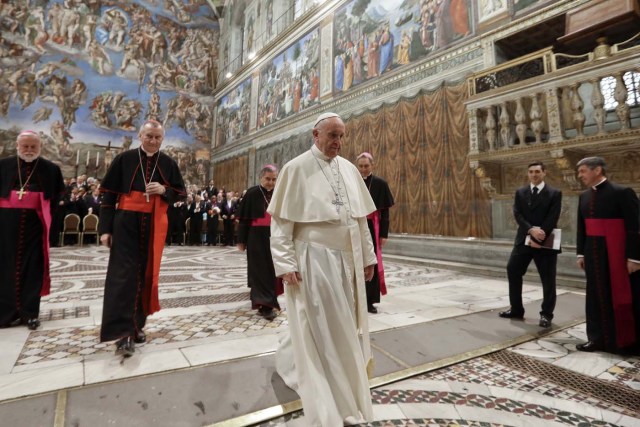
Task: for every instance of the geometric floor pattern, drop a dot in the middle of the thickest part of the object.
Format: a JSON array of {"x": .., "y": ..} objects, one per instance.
[{"x": 205, "y": 302}]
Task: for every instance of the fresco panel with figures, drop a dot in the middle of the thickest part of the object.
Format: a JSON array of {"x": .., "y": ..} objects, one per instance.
[{"x": 86, "y": 74}]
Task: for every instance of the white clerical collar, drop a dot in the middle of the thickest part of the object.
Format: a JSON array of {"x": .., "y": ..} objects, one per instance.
[
  {"x": 595, "y": 187},
  {"x": 319, "y": 154},
  {"x": 540, "y": 186},
  {"x": 147, "y": 153}
]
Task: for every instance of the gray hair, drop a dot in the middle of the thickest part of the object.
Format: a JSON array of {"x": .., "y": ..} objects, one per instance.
[
  {"x": 154, "y": 124},
  {"x": 592, "y": 163},
  {"x": 267, "y": 168}
]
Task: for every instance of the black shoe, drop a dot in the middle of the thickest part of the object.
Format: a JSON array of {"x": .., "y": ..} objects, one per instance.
[
  {"x": 372, "y": 309},
  {"x": 267, "y": 312},
  {"x": 510, "y": 314},
  {"x": 545, "y": 321},
  {"x": 140, "y": 337},
  {"x": 589, "y": 347},
  {"x": 33, "y": 324},
  {"x": 125, "y": 347}
]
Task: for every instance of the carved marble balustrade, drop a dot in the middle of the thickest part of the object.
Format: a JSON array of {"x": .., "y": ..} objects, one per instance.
[{"x": 556, "y": 108}]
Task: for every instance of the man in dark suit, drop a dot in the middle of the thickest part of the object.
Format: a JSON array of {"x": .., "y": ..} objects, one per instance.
[
  {"x": 227, "y": 212},
  {"x": 93, "y": 201},
  {"x": 536, "y": 209}
]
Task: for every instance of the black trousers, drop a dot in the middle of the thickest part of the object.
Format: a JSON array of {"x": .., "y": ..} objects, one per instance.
[
  {"x": 545, "y": 261},
  {"x": 229, "y": 230}
]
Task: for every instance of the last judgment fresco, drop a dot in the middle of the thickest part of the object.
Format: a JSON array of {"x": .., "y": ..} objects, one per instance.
[{"x": 86, "y": 74}]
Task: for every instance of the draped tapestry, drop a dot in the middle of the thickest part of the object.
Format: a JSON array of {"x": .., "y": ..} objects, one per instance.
[{"x": 420, "y": 147}]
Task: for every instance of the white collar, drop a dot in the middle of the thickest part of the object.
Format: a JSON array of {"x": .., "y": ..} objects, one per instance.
[
  {"x": 147, "y": 153},
  {"x": 540, "y": 186},
  {"x": 319, "y": 154},
  {"x": 595, "y": 187}
]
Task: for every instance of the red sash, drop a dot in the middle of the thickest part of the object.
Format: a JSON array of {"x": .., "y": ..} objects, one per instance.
[
  {"x": 136, "y": 201},
  {"x": 375, "y": 217},
  {"x": 614, "y": 232},
  {"x": 35, "y": 200},
  {"x": 265, "y": 221}
]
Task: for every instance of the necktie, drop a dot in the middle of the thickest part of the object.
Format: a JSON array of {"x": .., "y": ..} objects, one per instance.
[{"x": 534, "y": 191}]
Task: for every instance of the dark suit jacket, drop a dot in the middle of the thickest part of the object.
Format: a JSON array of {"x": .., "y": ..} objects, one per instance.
[
  {"x": 225, "y": 210},
  {"x": 542, "y": 211}
]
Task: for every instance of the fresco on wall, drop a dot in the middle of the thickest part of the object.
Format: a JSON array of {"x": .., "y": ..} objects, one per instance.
[
  {"x": 290, "y": 82},
  {"x": 85, "y": 75},
  {"x": 372, "y": 37},
  {"x": 233, "y": 113}
]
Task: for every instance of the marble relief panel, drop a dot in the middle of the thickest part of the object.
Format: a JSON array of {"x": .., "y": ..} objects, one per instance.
[
  {"x": 326, "y": 63},
  {"x": 489, "y": 9}
]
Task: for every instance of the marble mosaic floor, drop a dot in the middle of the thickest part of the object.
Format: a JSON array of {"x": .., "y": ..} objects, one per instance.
[{"x": 206, "y": 318}]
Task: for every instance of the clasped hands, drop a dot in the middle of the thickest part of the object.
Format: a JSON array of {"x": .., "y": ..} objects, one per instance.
[
  {"x": 538, "y": 234},
  {"x": 155, "y": 188},
  {"x": 294, "y": 278}
]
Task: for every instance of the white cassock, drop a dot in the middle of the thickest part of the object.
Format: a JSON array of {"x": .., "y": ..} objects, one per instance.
[{"x": 319, "y": 229}]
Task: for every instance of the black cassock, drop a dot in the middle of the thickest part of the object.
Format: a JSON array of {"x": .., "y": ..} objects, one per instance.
[
  {"x": 261, "y": 275},
  {"x": 606, "y": 318},
  {"x": 123, "y": 312},
  {"x": 383, "y": 199},
  {"x": 22, "y": 261}
]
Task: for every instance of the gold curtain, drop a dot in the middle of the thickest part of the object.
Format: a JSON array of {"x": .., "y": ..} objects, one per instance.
[
  {"x": 232, "y": 174},
  {"x": 420, "y": 147}
]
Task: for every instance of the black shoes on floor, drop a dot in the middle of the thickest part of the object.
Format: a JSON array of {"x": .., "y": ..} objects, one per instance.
[
  {"x": 545, "y": 321},
  {"x": 511, "y": 314},
  {"x": 372, "y": 309},
  {"x": 140, "y": 337},
  {"x": 589, "y": 346},
  {"x": 33, "y": 323},
  {"x": 267, "y": 312},
  {"x": 125, "y": 347}
]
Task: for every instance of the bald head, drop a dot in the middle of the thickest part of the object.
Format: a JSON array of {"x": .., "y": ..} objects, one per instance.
[
  {"x": 151, "y": 136},
  {"x": 28, "y": 146}
]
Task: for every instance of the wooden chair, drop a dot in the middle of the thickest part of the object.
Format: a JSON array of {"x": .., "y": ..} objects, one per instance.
[
  {"x": 90, "y": 226},
  {"x": 71, "y": 226}
]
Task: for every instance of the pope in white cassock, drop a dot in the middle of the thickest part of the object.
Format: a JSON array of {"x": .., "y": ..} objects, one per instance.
[{"x": 322, "y": 249}]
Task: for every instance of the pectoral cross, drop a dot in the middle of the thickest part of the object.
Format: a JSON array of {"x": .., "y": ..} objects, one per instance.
[
  {"x": 337, "y": 203},
  {"x": 147, "y": 196},
  {"x": 21, "y": 193}
]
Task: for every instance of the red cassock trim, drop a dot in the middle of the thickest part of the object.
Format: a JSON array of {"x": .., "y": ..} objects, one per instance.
[
  {"x": 35, "y": 200},
  {"x": 136, "y": 201},
  {"x": 614, "y": 232},
  {"x": 375, "y": 217}
]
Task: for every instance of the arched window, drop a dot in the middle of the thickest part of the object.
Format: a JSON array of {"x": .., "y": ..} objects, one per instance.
[{"x": 608, "y": 87}]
